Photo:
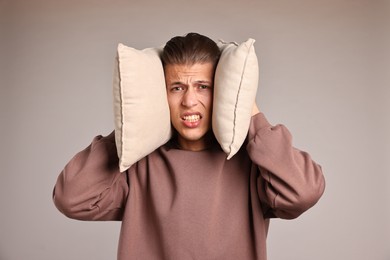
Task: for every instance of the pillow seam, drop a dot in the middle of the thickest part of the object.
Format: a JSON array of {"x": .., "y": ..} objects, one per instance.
[
  {"x": 237, "y": 98},
  {"x": 122, "y": 110}
]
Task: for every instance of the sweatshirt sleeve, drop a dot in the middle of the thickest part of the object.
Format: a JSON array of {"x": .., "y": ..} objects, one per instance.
[
  {"x": 290, "y": 182},
  {"x": 90, "y": 187}
]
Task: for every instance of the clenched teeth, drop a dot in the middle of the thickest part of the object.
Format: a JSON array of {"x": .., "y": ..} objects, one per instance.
[{"x": 192, "y": 118}]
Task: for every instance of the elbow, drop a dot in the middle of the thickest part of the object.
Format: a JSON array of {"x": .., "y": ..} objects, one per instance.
[
  {"x": 302, "y": 201},
  {"x": 63, "y": 204},
  {"x": 66, "y": 205},
  {"x": 306, "y": 202}
]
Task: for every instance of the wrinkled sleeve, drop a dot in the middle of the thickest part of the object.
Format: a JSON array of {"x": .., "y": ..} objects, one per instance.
[
  {"x": 290, "y": 182},
  {"x": 90, "y": 187}
]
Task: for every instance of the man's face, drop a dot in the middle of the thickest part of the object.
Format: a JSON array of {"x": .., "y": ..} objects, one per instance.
[{"x": 190, "y": 97}]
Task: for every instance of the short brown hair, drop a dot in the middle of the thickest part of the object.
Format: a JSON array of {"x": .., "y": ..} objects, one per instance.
[{"x": 190, "y": 49}]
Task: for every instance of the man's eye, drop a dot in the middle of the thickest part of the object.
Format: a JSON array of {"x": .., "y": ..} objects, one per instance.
[
  {"x": 175, "y": 89},
  {"x": 203, "y": 86}
]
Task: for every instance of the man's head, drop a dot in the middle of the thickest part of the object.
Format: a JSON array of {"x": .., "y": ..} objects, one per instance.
[{"x": 189, "y": 65}]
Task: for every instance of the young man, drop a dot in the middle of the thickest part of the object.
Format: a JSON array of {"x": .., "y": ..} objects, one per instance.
[{"x": 185, "y": 200}]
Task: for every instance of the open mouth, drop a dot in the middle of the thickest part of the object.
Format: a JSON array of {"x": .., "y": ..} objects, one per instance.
[{"x": 191, "y": 118}]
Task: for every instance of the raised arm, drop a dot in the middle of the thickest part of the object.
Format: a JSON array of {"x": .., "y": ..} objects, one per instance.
[
  {"x": 91, "y": 187},
  {"x": 290, "y": 182}
]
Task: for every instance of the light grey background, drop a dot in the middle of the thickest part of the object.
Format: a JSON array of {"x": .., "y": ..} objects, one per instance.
[{"x": 324, "y": 73}]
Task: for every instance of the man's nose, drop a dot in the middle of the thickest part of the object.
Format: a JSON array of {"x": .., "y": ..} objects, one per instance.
[{"x": 190, "y": 98}]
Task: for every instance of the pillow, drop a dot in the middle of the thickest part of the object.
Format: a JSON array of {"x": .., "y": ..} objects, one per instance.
[
  {"x": 235, "y": 86},
  {"x": 142, "y": 121}
]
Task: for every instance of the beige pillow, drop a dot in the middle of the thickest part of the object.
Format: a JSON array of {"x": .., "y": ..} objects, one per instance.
[
  {"x": 142, "y": 121},
  {"x": 235, "y": 86}
]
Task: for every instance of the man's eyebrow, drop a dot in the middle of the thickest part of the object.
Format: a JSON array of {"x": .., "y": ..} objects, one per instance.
[
  {"x": 203, "y": 81},
  {"x": 177, "y": 83},
  {"x": 196, "y": 81}
]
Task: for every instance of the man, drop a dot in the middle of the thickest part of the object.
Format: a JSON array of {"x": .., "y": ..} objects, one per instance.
[{"x": 185, "y": 200}]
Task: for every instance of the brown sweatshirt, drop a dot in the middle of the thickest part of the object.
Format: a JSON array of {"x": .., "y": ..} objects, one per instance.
[{"x": 177, "y": 204}]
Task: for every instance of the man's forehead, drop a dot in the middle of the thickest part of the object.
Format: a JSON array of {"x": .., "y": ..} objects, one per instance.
[{"x": 199, "y": 72}]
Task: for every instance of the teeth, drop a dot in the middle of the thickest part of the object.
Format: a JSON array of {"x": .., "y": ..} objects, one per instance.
[{"x": 192, "y": 118}]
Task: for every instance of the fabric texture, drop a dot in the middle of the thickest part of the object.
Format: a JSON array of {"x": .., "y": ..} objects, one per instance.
[
  {"x": 177, "y": 204},
  {"x": 235, "y": 87},
  {"x": 142, "y": 121}
]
